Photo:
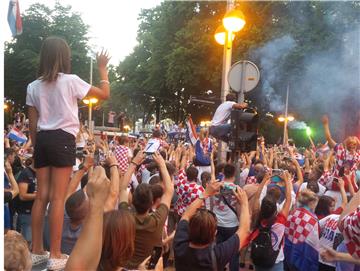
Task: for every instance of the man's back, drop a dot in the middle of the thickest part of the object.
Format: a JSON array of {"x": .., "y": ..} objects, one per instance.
[{"x": 222, "y": 113}]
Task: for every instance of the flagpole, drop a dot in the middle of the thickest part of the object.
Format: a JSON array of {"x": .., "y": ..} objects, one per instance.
[{"x": 285, "y": 139}]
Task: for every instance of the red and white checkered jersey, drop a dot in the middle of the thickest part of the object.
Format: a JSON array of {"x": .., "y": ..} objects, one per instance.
[
  {"x": 122, "y": 156},
  {"x": 351, "y": 232},
  {"x": 187, "y": 192},
  {"x": 342, "y": 156},
  {"x": 300, "y": 223}
]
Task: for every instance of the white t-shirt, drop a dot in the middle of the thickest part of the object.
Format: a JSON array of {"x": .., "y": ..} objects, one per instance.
[
  {"x": 225, "y": 216},
  {"x": 56, "y": 102},
  {"x": 222, "y": 113},
  {"x": 330, "y": 236}
]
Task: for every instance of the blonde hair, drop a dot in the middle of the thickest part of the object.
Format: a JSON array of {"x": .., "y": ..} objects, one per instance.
[
  {"x": 16, "y": 253},
  {"x": 351, "y": 140},
  {"x": 307, "y": 197},
  {"x": 204, "y": 133}
]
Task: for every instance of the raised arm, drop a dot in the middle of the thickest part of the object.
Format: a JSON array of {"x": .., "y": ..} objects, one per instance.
[
  {"x": 104, "y": 91},
  {"x": 244, "y": 216},
  {"x": 331, "y": 141},
  {"x": 288, "y": 188},
  {"x": 344, "y": 200},
  {"x": 213, "y": 188},
  {"x": 114, "y": 183},
  {"x": 168, "y": 184},
  {"x": 87, "y": 251},
  {"x": 76, "y": 179},
  {"x": 125, "y": 180},
  {"x": 353, "y": 204},
  {"x": 239, "y": 105}
]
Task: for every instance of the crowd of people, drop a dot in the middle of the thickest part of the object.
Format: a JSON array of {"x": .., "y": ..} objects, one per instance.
[{"x": 77, "y": 202}]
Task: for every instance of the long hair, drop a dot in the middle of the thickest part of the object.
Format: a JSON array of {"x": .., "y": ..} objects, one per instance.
[
  {"x": 118, "y": 240},
  {"x": 55, "y": 57}
]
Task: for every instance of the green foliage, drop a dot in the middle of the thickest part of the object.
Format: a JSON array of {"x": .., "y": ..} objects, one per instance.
[{"x": 22, "y": 53}]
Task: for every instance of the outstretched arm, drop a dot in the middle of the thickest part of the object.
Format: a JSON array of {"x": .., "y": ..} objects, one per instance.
[
  {"x": 87, "y": 251},
  {"x": 331, "y": 141}
]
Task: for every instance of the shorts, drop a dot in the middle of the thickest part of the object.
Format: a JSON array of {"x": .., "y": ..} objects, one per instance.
[{"x": 55, "y": 148}]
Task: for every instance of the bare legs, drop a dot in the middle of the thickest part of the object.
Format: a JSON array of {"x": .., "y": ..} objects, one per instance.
[{"x": 52, "y": 183}]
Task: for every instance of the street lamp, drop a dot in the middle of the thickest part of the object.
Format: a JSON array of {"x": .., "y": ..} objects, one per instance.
[
  {"x": 90, "y": 101},
  {"x": 285, "y": 119},
  {"x": 233, "y": 22},
  {"x": 6, "y": 106}
]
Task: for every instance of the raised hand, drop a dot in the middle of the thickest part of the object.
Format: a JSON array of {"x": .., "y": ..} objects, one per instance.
[
  {"x": 98, "y": 187},
  {"x": 241, "y": 196},
  {"x": 213, "y": 188},
  {"x": 102, "y": 59},
  {"x": 158, "y": 158},
  {"x": 325, "y": 120}
]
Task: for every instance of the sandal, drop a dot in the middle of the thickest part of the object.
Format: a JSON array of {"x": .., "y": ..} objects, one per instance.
[
  {"x": 57, "y": 264},
  {"x": 37, "y": 259}
]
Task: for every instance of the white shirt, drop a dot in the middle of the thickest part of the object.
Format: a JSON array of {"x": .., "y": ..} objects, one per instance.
[
  {"x": 222, "y": 113},
  {"x": 330, "y": 234},
  {"x": 56, "y": 102}
]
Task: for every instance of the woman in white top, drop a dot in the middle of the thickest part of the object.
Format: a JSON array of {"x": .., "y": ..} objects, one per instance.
[{"x": 53, "y": 119}]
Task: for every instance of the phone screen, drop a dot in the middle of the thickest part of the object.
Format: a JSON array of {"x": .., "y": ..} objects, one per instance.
[{"x": 155, "y": 256}]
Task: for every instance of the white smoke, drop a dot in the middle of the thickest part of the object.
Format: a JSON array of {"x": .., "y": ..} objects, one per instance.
[{"x": 298, "y": 125}]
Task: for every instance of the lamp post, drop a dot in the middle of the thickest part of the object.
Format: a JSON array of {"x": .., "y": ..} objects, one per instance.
[
  {"x": 233, "y": 22},
  {"x": 285, "y": 119},
  {"x": 90, "y": 101}
]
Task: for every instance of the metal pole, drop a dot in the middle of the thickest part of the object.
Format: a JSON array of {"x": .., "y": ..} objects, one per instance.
[
  {"x": 91, "y": 71},
  {"x": 90, "y": 116},
  {"x": 225, "y": 88},
  {"x": 103, "y": 119},
  {"x": 285, "y": 139}
]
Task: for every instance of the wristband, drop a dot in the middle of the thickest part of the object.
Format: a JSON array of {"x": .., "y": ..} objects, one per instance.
[
  {"x": 104, "y": 81},
  {"x": 132, "y": 162},
  {"x": 113, "y": 165}
]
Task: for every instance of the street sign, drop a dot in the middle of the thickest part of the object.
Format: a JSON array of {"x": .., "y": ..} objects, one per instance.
[{"x": 243, "y": 76}]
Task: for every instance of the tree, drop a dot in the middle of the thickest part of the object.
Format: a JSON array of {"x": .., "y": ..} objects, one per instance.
[{"x": 21, "y": 54}]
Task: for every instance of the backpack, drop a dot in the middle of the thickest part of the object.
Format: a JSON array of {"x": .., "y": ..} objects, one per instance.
[{"x": 262, "y": 252}]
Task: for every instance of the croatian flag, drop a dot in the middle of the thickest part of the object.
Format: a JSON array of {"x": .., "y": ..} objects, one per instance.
[
  {"x": 302, "y": 240},
  {"x": 14, "y": 18},
  {"x": 17, "y": 135},
  {"x": 191, "y": 131}
]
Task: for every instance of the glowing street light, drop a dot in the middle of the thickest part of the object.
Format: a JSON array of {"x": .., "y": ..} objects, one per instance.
[
  {"x": 220, "y": 35},
  {"x": 289, "y": 118},
  {"x": 127, "y": 128},
  {"x": 90, "y": 101},
  {"x": 6, "y": 106},
  {"x": 234, "y": 20}
]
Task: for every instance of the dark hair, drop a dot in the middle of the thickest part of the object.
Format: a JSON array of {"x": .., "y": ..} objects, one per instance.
[
  {"x": 171, "y": 168},
  {"x": 231, "y": 97},
  {"x": 192, "y": 173},
  {"x": 118, "y": 240},
  {"x": 154, "y": 179},
  {"x": 219, "y": 168},
  {"x": 157, "y": 191},
  {"x": 142, "y": 198},
  {"x": 268, "y": 210},
  {"x": 229, "y": 171},
  {"x": 123, "y": 140},
  {"x": 55, "y": 57},
  {"x": 75, "y": 206},
  {"x": 202, "y": 227},
  {"x": 205, "y": 178},
  {"x": 156, "y": 134},
  {"x": 8, "y": 152},
  {"x": 323, "y": 206},
  {"x": 313, "y": 186}
]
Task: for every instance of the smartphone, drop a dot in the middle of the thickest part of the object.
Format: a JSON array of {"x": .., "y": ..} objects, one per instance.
[
  {"x": 155, "y": 256},
  {"x": 277, "y": 172},
  {"x": 342, "y": 172}
]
